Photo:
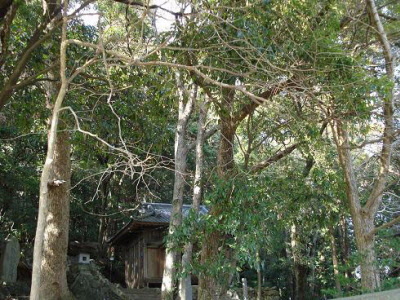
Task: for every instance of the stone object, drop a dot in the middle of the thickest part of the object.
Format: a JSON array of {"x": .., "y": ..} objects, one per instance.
[
  {"x": 9, "y": 259},
  {"x": 84, "y": 258},
  {"x": 87, "y": 283}
]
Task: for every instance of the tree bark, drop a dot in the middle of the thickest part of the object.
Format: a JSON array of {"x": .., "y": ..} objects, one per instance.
[
  {"x": 55, "y": 244},
  {"x": 171, "y": 256}
]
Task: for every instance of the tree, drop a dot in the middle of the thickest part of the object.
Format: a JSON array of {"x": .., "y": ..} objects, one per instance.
[
  {"x": 186, "y": 102},
  {"x": 185, "y": 282},
  {"x": 49, "y": 259},
  {"x": 363, "y": 215}
]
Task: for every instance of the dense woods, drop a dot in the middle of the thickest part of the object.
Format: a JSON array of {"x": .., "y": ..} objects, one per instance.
[{"x": 280, "y": 117}]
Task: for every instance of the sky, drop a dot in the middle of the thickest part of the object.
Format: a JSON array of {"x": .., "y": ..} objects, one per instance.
[{"x": 164, "y": 19}]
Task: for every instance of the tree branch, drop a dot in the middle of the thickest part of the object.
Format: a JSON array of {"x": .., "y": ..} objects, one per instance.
[
  {"x": 274, "y": 158},
  {"x": 386, "y": 225},
  {"x": 207, "y": 135},
  {"x": 34, "y": 78},
  {"x": 251, "y": 107},
  {"x": 148, "y": 7},
  {"x": 42, "y": 33}
]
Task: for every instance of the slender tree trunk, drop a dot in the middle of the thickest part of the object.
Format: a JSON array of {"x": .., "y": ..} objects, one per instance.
[
  {"x": 50, "y": 249},
  {"x": 259, "y": 276},
  {"x": 313, "y": 255},
  {"x": 181, "y": 149},
  {"x": 344, "y": 243},
  {"x": 105, "y": 222},
  {"x": 299, "y": 269},
  {"x": 245, "y": 289},
  {"x": 335, "y": 261},
  {"x": 185, "y": 285}
]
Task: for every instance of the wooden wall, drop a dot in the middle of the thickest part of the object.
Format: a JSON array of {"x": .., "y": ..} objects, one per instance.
[
  {"x": 134, "y": 263},
  {"x": 144, "y": 258}
]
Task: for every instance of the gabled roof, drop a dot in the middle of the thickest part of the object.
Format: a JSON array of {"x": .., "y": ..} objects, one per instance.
[{"x": 150, "y": 215}]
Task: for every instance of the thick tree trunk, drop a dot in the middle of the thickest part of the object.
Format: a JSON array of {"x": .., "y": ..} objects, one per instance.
[
  {"x": 50, "y": 249},
  {"x": 181, "y": 149},
  {"x": 55, "y": 244},
  {"x": 214, "y": 242},
  {"x": 370, "y": 279},
  {"x": 226, "y": 163}
]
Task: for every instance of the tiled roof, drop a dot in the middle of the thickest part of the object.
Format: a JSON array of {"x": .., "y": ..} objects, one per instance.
[
  {"x": 152, "y": 214},
  {"x": 161, "y": 212}
]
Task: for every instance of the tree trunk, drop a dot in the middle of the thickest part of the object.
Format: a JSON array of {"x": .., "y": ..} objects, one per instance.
[
  {"x": 245, "y": 289},
  {"x": 105, "y": 222},
  {"x": 335, "y": 261},
  {"x": 226, "y": 163},
  {"x": 299, "y": 269},
  {"x": 363, "y": 216},
  {"x": 313, "y": 254},
  {"x": 370, "y": 279},
  {"x": 50, "y": 249},
  {"x": 185, "y": 285},
  {"x": 363, "y": 219},
  {"x": 259, "y": 277},
  {"x": 214, "y": 242},
  {"x": 344, "y": 244},
  {"x": 181, "y": 149},
  {"x": 55, "y": 244}
]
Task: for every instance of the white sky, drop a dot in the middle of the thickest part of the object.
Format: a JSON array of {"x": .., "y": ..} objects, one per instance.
[
  {"x": 164, "y": 19},
  {"x": 89, "y": 15}
]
